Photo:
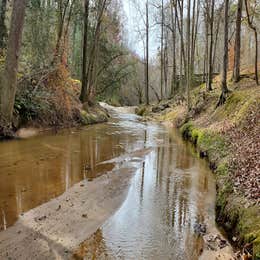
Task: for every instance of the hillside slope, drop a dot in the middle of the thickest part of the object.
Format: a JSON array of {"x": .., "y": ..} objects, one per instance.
[{"x": 228, "y": 136}]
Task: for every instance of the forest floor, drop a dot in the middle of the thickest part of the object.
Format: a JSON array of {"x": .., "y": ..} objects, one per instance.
[{"x": 228, "y": 136}]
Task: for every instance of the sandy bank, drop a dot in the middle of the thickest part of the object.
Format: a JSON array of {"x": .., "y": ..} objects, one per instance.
[{"x": 54, "y": 229}]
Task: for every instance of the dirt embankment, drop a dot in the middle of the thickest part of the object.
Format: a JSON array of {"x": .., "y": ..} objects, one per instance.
[
  {"x": 50, "y": 99},
  {"x": 228, "y": 136}
]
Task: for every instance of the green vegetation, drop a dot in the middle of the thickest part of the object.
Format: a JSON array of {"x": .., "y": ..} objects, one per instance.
[{"x": 230, "y": 207}]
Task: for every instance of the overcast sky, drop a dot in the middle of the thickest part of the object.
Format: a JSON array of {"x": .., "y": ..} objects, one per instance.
[{"x": 135, "y": 27}]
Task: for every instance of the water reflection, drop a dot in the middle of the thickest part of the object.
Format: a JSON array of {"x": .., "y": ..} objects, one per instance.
[
  {"x": 170, "y": 193},
  {"x": 34, "y": 171}
]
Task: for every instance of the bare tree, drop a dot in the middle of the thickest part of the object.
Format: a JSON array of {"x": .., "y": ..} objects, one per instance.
[
  {"x": 162, "y": 45},
  {"x": 88, "y": 92},
  {"x": 236, "y": 71},
  {"x": 84, "y": 87},
  {"x": 188, "y": 51},
  {"x": 253, "y": 27},
  {"x": 195, "y": 25},
  {"x": 147, "y": 56},
  {"x": 210, "y": 54},
  {"x": 8, "y": 78},
  {"x": 65, "y": 8},
  {"x": 173, "y": 26},
  {"x": 224, "y": 88}
]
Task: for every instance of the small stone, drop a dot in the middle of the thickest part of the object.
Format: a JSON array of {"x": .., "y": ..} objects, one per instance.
[
  {"x": 41, "y": 218},
  {"x": 223, "y": 243},
  {"x": 84, "y": 215}
]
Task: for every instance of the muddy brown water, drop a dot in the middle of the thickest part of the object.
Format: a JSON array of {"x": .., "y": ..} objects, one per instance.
[{"x": 171, "y": 192}]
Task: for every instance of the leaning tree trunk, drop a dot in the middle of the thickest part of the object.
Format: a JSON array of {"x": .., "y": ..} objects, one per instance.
[
  {"x": 236, "y": 71},
  {"x": 3, "y": 30},
  {"x": 224, "y": 89},
  {"x": 8, "y": 79}
]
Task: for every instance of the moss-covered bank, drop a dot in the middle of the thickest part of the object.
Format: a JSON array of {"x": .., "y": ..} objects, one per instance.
[
  {"x": 228, "y": 137},
  {"x": 241, "y": 222}
]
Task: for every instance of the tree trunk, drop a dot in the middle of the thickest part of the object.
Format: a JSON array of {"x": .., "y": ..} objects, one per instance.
[
  {"x": 195, "y": 24},
  {"x": 3, "y": 30},
  {"x": 210, "y": 55},
  {"x": 147, "y": 57},
  {"x": 253, "y": 27},
  {"x": 216, "y": 39},
  {"x": 206, "y": 53},
  {"x": 162, "y": 48},
  {"x": 173, "y": 22},
  {"x": 8, "y": 79},
  {"x": 180, "y": 29},
  {"x": 90, "y": 74},
  {"x": 84, "y": 87},
  {"x": 224, "y": 89},
  {"x": 165, "y": 65},
  {"x": 62, "y": 9},
  {"x": 188, "y": 51},
  {"x": 236, "y": 71}
]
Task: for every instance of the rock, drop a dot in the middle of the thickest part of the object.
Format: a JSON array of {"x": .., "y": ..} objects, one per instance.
[
  {"x": 203, "y": 154},
  {"x": 58, "y": 208},
  {"x": 160, "y": 108},
  {"x": 222, "y": 243},
  {"x": 41, "y": 218},
  {"x": 200, "y": 228}
]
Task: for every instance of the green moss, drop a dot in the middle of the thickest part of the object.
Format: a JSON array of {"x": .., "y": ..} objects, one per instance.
[
  {"x": 222, "y": 168},
  {"x": 171, "y": 116},
  {"x": 186, "y": 130},
  {"x": 249, "y": 228},
  {"x": 230, "y": 209},
  {"x": 209, "y": 143},
  {"x": 196, "y": 135},
  {"x": 88, "y": 118},
  {"x": 225, "y": 188},
  {"x": 141, "y": 111},
  {"x": 237, "y": 106}
]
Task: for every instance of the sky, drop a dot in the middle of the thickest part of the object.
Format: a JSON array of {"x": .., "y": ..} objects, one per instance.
[{"x": 135, "y": 27}]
